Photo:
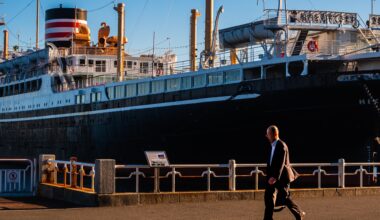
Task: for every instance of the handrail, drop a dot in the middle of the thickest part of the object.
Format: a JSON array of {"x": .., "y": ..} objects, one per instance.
[
  {"x": 71, "y": 168},
  {"x": 238, "y": 171}
]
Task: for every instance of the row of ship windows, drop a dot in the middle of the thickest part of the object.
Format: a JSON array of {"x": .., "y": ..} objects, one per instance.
[
  {"x": 34, "y": 106},
  {"x": 100, "y": 65},
  {"x": 175, "y": 84},
  {"x": 79, "y": 99},
  {"x": 94, "y": 97},
  {"x": 20, "y": 88}
]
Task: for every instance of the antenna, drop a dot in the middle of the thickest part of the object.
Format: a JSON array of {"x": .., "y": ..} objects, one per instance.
[
  {"x": 37, "y": 21},
  {"x": 372, "y": 6},
  {"x": 264, "y": 8}
]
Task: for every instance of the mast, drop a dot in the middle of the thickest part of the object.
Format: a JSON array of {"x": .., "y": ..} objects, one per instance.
[
  {"x": 279, "y": 13},
  {"x": 193, "y": 39},
  {"x": 209, "y": 27},
  {"x": 5, "y": 50},
  {"x": 37, "y": 21},
  {"x": 120, "y": 41},
  {"x": 372, "y": 6}
]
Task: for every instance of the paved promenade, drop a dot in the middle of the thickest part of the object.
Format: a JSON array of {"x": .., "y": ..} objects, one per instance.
[{"x": 345, "y": 208}]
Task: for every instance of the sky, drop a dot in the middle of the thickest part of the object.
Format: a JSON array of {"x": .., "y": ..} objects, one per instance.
[{"x": 168, "y": 19}]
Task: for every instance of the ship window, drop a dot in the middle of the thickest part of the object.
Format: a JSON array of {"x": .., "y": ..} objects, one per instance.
[
  {"x": 119, "y": 92},
  {"x": 131, "y": 90},
  {"x": 82, "y": 62},
  {"x": 93, "y": 97},
  {"x": 253, "y": 73},
  {"x": 232, "y": 76},
  {"x": 27, "y": 86},
  {"x": 143, "y": 88},
  {"x": 100, "y": 66},
  {"x": 16, "y": 89},
  {"x": 215, "y": 78},
  {"x": 186, "y": 82},
  {"x": 173, "y": 84},
  {"x": 11, "y": 90},
  {"x": 158, "y": 86},
  {"x": 80, "y": 99},
  {"x": 90, "y": 63},
  {"x": 1, "y": 91},
  {"x": 98, "y": 96},
  {"x": 199, "y": 81},
  {"x": 111, "y": 92},
  {"x": 129, "y": 64},
  {"x": 34, "y": 85},
  {"x": 115, "y": 63}
]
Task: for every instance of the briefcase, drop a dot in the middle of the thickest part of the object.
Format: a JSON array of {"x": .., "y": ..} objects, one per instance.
[{"x": 292, "y": 173}]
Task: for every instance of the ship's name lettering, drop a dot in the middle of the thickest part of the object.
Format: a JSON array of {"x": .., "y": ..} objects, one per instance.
[{"x": 367, "y": 101}]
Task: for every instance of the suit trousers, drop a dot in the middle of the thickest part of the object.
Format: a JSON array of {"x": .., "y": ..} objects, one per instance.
[{"x": 280, "y": 192}]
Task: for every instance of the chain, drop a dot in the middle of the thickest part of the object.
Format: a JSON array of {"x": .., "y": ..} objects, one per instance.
[{"x": 373, "y": 100}]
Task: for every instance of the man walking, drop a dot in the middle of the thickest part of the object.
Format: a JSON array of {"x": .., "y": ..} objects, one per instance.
[{"x": 279, "y": 176}]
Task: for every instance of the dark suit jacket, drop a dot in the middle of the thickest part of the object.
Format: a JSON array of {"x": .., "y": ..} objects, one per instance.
[{"x": 279, "y": 160}]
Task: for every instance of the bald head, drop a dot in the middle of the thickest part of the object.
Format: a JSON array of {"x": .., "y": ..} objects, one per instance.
[{"x": 273, "y": 133}]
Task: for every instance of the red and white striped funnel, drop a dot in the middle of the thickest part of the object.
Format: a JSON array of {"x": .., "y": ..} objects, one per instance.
[{"x": 62, "y": 23}]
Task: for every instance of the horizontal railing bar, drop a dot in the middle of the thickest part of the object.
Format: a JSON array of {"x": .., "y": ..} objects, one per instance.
[{"x": 76, "y": 163}]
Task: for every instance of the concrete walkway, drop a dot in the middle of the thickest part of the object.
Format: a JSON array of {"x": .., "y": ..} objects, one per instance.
[{"x": 345, "y": 208}]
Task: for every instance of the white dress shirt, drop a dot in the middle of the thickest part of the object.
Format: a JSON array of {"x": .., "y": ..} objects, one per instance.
[{"x": 273, "y": 148}]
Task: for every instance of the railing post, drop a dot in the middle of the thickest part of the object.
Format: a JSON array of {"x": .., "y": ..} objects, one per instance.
[
  {"x": 319, "y": 177},
  {"x": 208, "y": 179},
  {"x": 156, "y": 180},
  {"x": 92, "y": 174},
  {"x": 257, "y": 178},
  {"x": 361, "y": 176},
  {"x": 232, "y": 175},
  {"x": 137, "y": 180},
  {"x": 65, "y": 175},
  {"x": 81, "y": 174},
  {"x": 173, "y": 179},
  {"x": 341, "y": 173},
  {"x": 105, "y": 176},
  {"x": 44, "y": 166},
  {"x": 73, "y": 172}
]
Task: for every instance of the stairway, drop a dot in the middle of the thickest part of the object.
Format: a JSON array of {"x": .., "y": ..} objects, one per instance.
[{"x": 301, "y": 37}]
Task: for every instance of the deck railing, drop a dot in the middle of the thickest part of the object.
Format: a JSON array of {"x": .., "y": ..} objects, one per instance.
[
  {"x": 200, "y": 177},
  {"x": 66, "y": 173},
  {"x": 232, "y": 173}
]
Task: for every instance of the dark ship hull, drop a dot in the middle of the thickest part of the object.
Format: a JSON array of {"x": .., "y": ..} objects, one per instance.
[{"x": 320, "y": 118}]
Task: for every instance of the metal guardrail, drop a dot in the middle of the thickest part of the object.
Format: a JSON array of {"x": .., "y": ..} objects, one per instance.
[
  {"x": 17, "y": 177},
  {"x": 255, "y": 171},
  {"x": 70, "y": 168}
]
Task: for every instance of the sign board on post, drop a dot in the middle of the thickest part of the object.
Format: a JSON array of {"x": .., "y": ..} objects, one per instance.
[
  {"x": 13, "y": 176},
  {"x": 157, "y": 158}
]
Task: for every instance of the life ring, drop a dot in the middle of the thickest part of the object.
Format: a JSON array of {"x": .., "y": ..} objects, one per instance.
[{"x": 312, "y": 46}]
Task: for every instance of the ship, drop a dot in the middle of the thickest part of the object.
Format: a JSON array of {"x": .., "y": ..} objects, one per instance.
[{"x": 315, "y": 74}]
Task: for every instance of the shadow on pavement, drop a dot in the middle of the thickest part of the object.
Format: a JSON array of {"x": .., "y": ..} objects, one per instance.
[{"x": 31, "y": 203}]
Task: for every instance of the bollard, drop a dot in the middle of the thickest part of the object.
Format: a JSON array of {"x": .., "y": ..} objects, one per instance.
[
  {"x": 232, "y": 175},
  {"x": 43, "y": 166},
  {"x": 105, "y": 176},
  {"x": 73, "y": 172},
  {"x": 341, "y": 173}
]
